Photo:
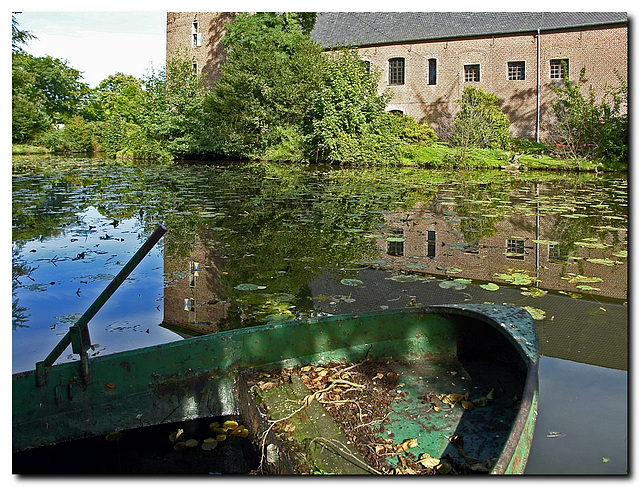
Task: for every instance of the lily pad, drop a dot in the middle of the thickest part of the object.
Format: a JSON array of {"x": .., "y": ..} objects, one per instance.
[
  {"x": 608, "y": 262},
  {"x": 546, "y": 242},
  {"x": 592, "y": 245},
  {"x": 405, "y": 278},
  {"x": 586, "y": 287},
  {"x": 536, "y": 313},
  {"x": 490, "y": 286},
  {"x": 249, "y": 287},
  {"x": 457, "y": 284},
  {"x": 351, "y": 282}
]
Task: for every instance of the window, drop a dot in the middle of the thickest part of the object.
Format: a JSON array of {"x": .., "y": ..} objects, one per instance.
[
  {"x": 432, "y": 72},
  {"x": 396, "y": 71},
  {"x": 515, "y": 70},
  {"x": 194, "y": 65},
  {"x": 367, "y": 66},
  {"x": 559, "y": 68},
  {"x": 196, "y": 37},
  {"x": 431, "y": 243},
  {"x": 515, "y": 249},
  {"x": 471, "y": 72},
  {"x": 556, "y": 254},
  {"x": 395, "y": 243}
]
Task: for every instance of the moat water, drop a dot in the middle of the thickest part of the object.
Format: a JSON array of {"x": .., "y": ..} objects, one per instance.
[{"x": 252, "y": 243}]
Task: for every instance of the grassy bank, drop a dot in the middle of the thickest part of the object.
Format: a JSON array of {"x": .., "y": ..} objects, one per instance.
[
  {"x": 534, "y": 158},
  {"x": 442, "y": 156}
]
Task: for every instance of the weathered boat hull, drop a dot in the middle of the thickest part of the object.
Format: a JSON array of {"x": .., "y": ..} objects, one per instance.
[{"x": 198, "y": 377}]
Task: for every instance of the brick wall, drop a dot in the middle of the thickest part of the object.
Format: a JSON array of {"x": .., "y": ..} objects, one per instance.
[
  {"x": 210, "y": 55},
  {"x": 602, "y": 51}
]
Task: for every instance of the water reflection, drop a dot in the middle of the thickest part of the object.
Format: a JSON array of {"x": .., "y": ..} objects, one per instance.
[{"x": 247, "y": 244}]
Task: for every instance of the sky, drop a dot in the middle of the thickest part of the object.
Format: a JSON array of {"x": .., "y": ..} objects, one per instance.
[{"x": 99, "y": 44}]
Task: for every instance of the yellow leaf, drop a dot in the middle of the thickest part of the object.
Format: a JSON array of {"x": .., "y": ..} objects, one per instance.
[
  {"x": 605, "y": 460},
  {"x": 467, "y": 405},
  {"x": 209, "y": 445},
  {"x": 221, "y": 437},
  {"x": 191, "y": 443},
  {"x": 444, "y": 468},
  {"x": 406, "y": 444},
  {"x": 457, "y": 440},
  {"x": 240, "y": 431},
  {"x": 308, "y": 399},
  {"x": 113, "y": 436},
  {"x": 175, "y": 435},
  {"x": 428, "y": 461},
  {"x": 490, "y": 394},
  {"x": 230, "y": 424}
]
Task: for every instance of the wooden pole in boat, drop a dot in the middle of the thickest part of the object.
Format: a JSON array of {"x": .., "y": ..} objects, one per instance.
[{"x": 78, "y": 334}]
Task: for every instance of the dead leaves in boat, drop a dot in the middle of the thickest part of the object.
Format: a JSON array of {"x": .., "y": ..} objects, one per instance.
[
  {"x": 359, "y": 397},
  {"x": 438, "y": 400}
]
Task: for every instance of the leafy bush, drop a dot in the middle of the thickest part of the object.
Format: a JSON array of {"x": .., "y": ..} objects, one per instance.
[
  {"x": 582, "y": 127},
  {"x": 76, "y": 136},
  {"x": 480, "y": 122},
  {"x": 406, "y": 129}
]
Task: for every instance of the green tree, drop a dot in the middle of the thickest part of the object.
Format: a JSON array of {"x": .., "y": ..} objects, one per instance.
[
  {"x": 29, "y": 115},
  {"x": 61, "y": 85},
  {"x": 267, "y": 82},
  {"x": 171, "y": 121},
  {"x": 345, "y": 110},
  {"x": 479, "y": 123},
  {"x": 118, "y": 95},
  {"x": 18, "y": 36}
]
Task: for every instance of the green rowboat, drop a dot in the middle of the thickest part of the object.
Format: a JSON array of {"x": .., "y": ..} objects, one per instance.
[{"x": 489, "y": 352}]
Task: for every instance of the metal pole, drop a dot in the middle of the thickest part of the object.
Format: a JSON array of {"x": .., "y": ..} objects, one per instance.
[
  {"x": 538, "y": 88},
  {"x": 105, "y": 295}
]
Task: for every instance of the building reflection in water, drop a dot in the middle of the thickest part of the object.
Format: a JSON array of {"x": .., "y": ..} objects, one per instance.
[
  {"x": 192, "y": 292},
  {"x": 432, "y": 241}
]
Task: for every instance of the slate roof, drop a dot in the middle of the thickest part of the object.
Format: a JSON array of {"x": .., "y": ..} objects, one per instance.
[{"x": 367, "y": 28}]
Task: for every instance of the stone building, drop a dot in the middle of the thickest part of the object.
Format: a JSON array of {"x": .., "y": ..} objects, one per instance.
[{"x": 427, "y": 58}]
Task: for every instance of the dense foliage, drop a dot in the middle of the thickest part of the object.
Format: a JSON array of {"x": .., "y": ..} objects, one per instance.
[
  {"x": 583, "y": 127},
  {"x": 266, "y": 86},
  {"x": 479, "y": 123}
]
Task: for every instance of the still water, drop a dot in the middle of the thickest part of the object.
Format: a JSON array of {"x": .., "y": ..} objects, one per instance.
[{"x": 253, "y": 243}]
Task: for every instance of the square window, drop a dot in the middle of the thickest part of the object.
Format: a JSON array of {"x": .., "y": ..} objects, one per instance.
[
  {"x": 515, "y": 249},
  {"x": 396, "y": 71},
  {"x": 515, "y": 70},
  {"x": 559, "y": 68},
  {"x": 471, "y": 72},
  {"x": 395, "y": 244}
]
